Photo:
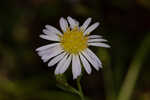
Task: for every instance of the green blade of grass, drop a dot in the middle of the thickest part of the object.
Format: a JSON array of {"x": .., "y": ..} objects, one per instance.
[{"x": 134, "y": 69}]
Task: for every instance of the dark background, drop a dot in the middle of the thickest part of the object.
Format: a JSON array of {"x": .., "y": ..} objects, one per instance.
[{"x": 23, "y": 76}]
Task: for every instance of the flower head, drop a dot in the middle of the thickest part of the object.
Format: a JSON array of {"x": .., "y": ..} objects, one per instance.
[{"x": 71, "y": 46}]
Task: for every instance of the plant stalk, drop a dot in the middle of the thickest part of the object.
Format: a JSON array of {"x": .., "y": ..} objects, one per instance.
[{"x": 80, "y": 89}]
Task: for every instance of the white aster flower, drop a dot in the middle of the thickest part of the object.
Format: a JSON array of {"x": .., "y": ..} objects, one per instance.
[{"x": 71, "y": 46}]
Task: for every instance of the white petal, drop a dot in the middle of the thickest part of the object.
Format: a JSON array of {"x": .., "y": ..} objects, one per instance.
[
  {"x": 76, "y": 66},
  {"x": 60, "y": 64},
  {"x": 47, "y": 46},
  {"x": 50, "y": 33},
  {"x": 51, "y": 38},
  {"x": 64, "y": 67},
  {"x": 97, "y": 40},
  {"x": 46, "y": 58},
  {"x": 86, "y": 24},
  {"x": 63, "y": 24},
  {"x": 92, "y": 61},
  {"x": 56, "y": 59},
  {"x": 86, "y": 64},
  {"x": 94, "y": 36},
  {"x": 48, "y": 51},
  {"x": 52, "y": 30},
  {"x": 73, "y": 23},
  {"x": 91, "y": 28},
  {"x": 93, "y": 56},
  {"x": 76, "y": 22},
  {"x": 45, "y": 52},
  {"x": 53, "y": 53},
  {"x": 47, "y": 32},
  {"x": 99, "y": 45}
]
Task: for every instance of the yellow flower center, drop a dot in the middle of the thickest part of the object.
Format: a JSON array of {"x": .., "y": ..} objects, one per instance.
[{"x": 73, "y": 41}]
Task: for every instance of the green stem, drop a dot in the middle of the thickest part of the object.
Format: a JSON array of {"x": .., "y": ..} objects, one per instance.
[
  {"x": 132, "y": 75},
  {"x": 80, "y": 89},
  {"x": 63, "y": 84}
]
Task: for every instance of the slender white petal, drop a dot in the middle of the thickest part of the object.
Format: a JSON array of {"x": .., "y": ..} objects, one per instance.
[
  {"x": 60, "y": 64},
  {"x": 53, "y": 53},
  {"x": 99, "y": 45},
  {"x": 56, "y": 59},
  {"x": 76, "y": 66},
  {"x": 73, "y": 23},
  {"x": 51, "y": 38},
  {"x": 93, "y": 56},
  {"x": 94, "y": 36},
  {"x": 44, "y": 52},
  {"x": 47, "y": 46},
  {"x": 97, "y": 40},
  {"x": 92, "y": 61},
  {"x": 86, "y": 64},
  {"x": 64, "y": 67},
  {"x": 46, "y": 58},
  {"x": 91, "y": 28},
  {"x": 48, "y": 51},
  {"x": 49, "y": 33},
  {"x": 63, "y": 24},
  {"x": 86, "y": 24},
  {"x": 76, "y": 22},
  {"x": 52, "y": 30}
]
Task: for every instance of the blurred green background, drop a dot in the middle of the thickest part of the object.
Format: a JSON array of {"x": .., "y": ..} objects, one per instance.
[{"x": 23, "y": 76}]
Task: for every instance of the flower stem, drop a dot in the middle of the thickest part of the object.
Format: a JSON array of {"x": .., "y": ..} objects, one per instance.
[{"x": 80, "y": 89}]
